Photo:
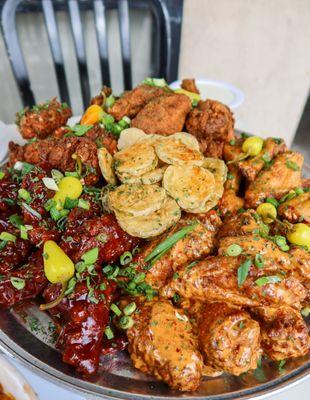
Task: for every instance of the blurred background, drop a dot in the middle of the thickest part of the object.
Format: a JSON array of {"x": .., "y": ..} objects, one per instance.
[{"x": 261, "y": 47}]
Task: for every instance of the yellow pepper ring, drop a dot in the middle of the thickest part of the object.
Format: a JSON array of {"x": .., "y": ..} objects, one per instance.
[
  {"x": 267, "y": 212},
  {"x": 70, "y": 187}
]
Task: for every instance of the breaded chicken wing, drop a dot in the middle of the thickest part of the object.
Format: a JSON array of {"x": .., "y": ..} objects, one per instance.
[
  {"x": 40, "y": 121},
  {"x": 162, "y": 343},
  {"x": 215, "y": 279},
  {"x": 245, "y": 223},
  {"x": 229, "y": 339},
  {"x": 213, "y": 124},
  {"x": 189, "y": 85},
  {"x": 282, "y": 176},
  {"x": 163, "y": 115},
  {"x": 131, "y": 102},
  {"x": 230, "y": 202},
  {"x": 284, "y": 333},
  {"x": 296, "y": 209},
  {"x": 192, "y": 247}
]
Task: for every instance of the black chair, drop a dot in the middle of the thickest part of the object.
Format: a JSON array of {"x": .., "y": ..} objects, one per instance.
[{"x": 166, "y": 18}]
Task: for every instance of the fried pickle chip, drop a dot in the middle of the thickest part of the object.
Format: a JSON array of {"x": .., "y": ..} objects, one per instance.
[
  {"x": 105, "y": 160},
  {"x": 191, "y": 186},
  {"x": 217, "y": 167},
  {"x": 212, "y": 202},
  {"x": 136, "y": 200},
  {"x": 153, "y": 224},
  {"x": 154, "y": 176},
  {"x": 130, "y": 136},
  {"x": 176, "y": 153},
  {"x": 135, "y": 160},
  {"x": 187, "y": 139}
]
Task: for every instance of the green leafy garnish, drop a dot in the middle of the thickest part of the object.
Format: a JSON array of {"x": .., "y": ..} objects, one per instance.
[
  {"x": 264, "y": 280},
  {"x": 80, "y": 130},
  {"x": 292, "y": 165},
  {"x": 18, "y": 283},
  {"x": 157, "y": 82},
  {"x": 16, "y": 220},
  {"x": 91, "y": 256},
  {"x": 243, "y": 271}
]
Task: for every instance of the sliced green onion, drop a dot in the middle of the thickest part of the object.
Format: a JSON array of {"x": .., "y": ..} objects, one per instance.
[
  {"x": 80, "y": 267},
  {"x": 287, "y": 197},
  {"x": 80, "y": 130},
  {"x": 83, "y": 204},
  {"x": 7, "y": 237},
  {"x": 18, "y": 283},
  {"x": 259, "y": 261},
  {"x": 264, "y": 280},
  {"x": 234, "y": 250},
  {"x": 139, "y": 278},
  {"x": 158, "y": 82},
  {"x": 71, "y": 285},
  {"x": 272, "y": 201},
  {"x": 18, "y": 166},
  {"x": 107, "y": 269},
  {"x": 281, "y": 366},
  {"x": 109, "y": 333},
  {"x": 50, "y": 184},
  {"x": 102, "y": 286},
  {"x": 70, "y": 203},
  {"x": 57, "y": 175},
  {"x": 31, "y": 211},
  {"x": 24, "y": 194},
  {"x": 292, "y": 165},
  {"x": 305, "y": 311},
  {"x": 125, "y": 258},
  {"x": 116, "y": 310},
  {"x": 24, "y": 231},
  {"x": 74, "y": 174},
  {"x": 243, "y": 271},
  {"x": 164, "y": 246},
  {"x": 110, "y": 101},
  {"x": 49, "y": 204},
  {"x": 299, "y": 191},
  {"x": 126, "y": 322},
  {"x": 130, "y": 308},
  {"x": 16, "y": 220},
  {"x": 91, "y": 256},
  {"x": 2, "y": 174},
  {"x": 55, "y": 214}
]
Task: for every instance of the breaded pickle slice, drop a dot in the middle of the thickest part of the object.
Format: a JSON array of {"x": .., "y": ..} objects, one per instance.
[
  {"x": 130, "y": 136},
  {"x": 216, "y": 166},
  {"x": 105, "y": 160},
  {"x": 174, "y": 152}
]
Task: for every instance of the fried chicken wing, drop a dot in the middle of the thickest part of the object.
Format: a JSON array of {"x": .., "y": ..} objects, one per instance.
[
  {"x": 193, "y": 246},
  {"x": 133, "y": 101},
  {"x": 296, "y": 209},
  {"x": 162, "y": 343},
  {"x": 163, "y": 115},
  {"x": 40, "y": 121},
  {"x": 229, "y": 338},
  {"x": 245, "y": 223},
  {"x": 230, "y": 202},
  {"x": 284, "y": 332},
  {"x": 253, "y": 165},
  {"x": 215, "y": 279},
  {"x": 190, "y": 85},
  {"x": 213, "y": 124},
  {"x": 282, "y": 176}
]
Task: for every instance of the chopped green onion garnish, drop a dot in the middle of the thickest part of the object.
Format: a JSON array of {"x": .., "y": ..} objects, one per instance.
[
  {"x": 18, "y": 283},
  {"x": 158, "y": 82},
  {"x": 24, "y": 231},
  {"x": 292, "y": 165},
  {"x": 31, "y": 211},
  {"x": 264, "y": 280},
  {"x": 287, "y": 197},
  {"x": 16, "y": 220},
  {"x": 299, "y": 191},
  {"x": 50, "y": 183},
  {"x": 49, "y": 204},
  {"x": 91, "y": 256},
  {"x": 110, "y": 101},
  {"x": 102, "y": 286},
  {"x": 70, "y": 203},
  {"x": 57, "y": 175},
  {"x": 272, "y": 201},
  {"x": 305, "y": 311},
  {"x": 7, "y": 237},
  {"x": 71, "y": 285},
  {"x": 125, "y": 258},
  {"x": 74, "y": 174},
  {"x": 164, "y": 246},
  {"x": 281, "y": 366},
  {"x": 116, "y": 310},
  {"x": 243, "y": 271},
  {"x": 83, "y": 204},
  {"x": 24, "y": 194},
  {"x": 126, "y": 322},
  {"x": 130, "y": 308},
  {"x": 259, "y": 261},
  {"x": 2, "y": 174},
  {"x": 80, "y": 130},
  {"x": 234, "y": 250},
  {"x": 109, "y": 333}
]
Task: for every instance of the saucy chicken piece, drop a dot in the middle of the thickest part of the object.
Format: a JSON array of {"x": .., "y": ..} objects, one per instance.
[
  {"x": 272, "y": 257},
  {"x": 12, "y": 253},
  {"x": 213, "y": 124},
  {"x": 296, "y": 209},
  {"x": 253, "y": 165},
  {"x": 86, "y": 317},
  {"x": 99, "y": 100},
  {"x": 229, "y": 339},
  {"x": 230, "y": 202},
  {"x": 193, "y": 246},
  {"x": 102, "y": 232},
  {"x": 215, "y": 279},
  {"x": 284, "y": 333},
  {"x": 8, "y": 194},
  {"x": 162, "y": 343},
  {"x": 131, "y": 102},
  {"x": 232, "y": 150},
  {"x": 281, "y": 177},
  {"x": 61, "y": 154},
  {"x": 31, "y": 276},
  {"x": 163, "y": 115},
  {"x": 40, "y": 121},
  {"x": 190, "y": 85},
  {"x": 245, "y": 223}
]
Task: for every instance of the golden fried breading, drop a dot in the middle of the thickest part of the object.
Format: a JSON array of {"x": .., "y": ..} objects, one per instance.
[
  {"x": 131, "y": 102},
  {"x": 253, "y": 165},
  {"x": 163, "y": 115},
  {"x": 281, "y": 177},
  {"x": 229, "y": 339},
  {"x": 284, "y": 332},
  {"x": 213, "y": 124},
  {"x": 241, "y": 224},
  {"x": 190, "y": 85},
  {"x": 40, "y": 121},
  {"x": 230, "y": 201},
  {"x": 100, "y": 98},
  {"x": 296, "y": 209},
  {"x": 162, "y": 343}
]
